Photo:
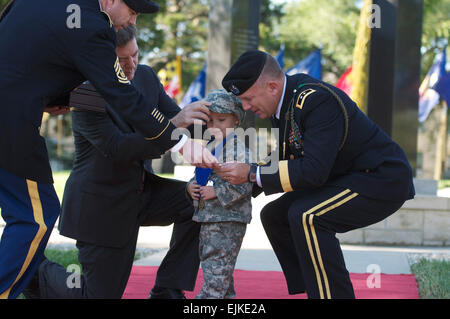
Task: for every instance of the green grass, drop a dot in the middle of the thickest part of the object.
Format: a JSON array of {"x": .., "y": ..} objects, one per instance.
[
  {"x": 444, "y": 183},
  {"x": 64, "y": 257},
  {"x": 433, "y": 278},
  {"x": 60, "y": 179}
]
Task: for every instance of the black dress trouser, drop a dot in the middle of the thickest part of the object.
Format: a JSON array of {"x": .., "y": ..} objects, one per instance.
[
  {"x": 302, "y": 226},
  {"x": 106, "y": 269}
]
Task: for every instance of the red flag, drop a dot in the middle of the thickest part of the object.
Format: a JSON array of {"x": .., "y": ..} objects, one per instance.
[
  {"x": 345, "y": 83},
  {"x": 170, "y": 77},
  {"x": 173, "y": 87}
]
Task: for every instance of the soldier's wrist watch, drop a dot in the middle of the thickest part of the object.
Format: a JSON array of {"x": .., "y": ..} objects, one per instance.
[{"x": 252, "y": 173}]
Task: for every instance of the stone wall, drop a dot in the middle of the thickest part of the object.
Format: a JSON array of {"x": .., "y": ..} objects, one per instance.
[{"x": 422, "y": 221}]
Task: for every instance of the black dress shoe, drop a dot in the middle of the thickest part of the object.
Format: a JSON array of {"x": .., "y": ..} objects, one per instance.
[
  {"x": 166, "y": 293},
  {"x": 32, "y": 291}
]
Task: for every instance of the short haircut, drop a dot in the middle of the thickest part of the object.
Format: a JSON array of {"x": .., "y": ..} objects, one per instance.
[
  {"x": 272, "y": 69},
  {"x": 125, "y": 35}
]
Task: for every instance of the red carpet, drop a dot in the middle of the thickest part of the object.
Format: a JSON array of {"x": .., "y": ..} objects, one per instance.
[{"x": 272, "y": 285}]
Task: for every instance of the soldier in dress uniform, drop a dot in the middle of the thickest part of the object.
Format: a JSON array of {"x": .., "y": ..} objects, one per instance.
[
  {"x": 223, "y": 209},
  {"x": 337, "y": 169},
  {"x": 111, "y": 192},
  {"x": 43, "y": 57}
]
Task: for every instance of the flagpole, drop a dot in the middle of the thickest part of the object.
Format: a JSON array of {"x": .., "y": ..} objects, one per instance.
[
  {"x": 444, "y": 138},
  {"x": 179, "y": 71},
  {"x": 359, "y": 77}
]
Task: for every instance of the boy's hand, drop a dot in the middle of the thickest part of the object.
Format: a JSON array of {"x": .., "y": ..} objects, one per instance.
[
  {"x": 193, "y": 190},
  {"x": 208, "y": 192}
]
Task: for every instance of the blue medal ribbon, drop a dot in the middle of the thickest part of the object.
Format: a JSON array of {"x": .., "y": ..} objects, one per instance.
[{"x": 202, "y": 174}]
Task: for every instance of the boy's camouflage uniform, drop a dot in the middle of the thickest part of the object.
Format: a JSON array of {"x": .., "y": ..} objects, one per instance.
[{"x": 224, "y": 220}]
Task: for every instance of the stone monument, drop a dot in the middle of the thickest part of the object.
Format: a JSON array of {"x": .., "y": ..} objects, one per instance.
[
  {"x": 233, "y": 29},
  {"x": 394, "y": 76},
  {"x": 394, "y": 79}
]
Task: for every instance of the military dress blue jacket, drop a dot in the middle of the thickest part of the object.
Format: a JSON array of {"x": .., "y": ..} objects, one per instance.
[
  {"x": 107, "y": 187},
  {"x": 369, "y": 162},
  {"x": 42, "y": 59}
]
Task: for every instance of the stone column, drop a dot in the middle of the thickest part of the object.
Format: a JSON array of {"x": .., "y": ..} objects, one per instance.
[
  {"x": 431, "y": 146},
  {"x": 394, "y": 76},
  {"x": 405, "y": 123},
  {"x": 233, "y": 29},
  {"x": 382, "y": 65}
]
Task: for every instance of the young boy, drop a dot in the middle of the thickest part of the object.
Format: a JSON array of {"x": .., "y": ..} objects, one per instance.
[{"x": 224, "y": 209}]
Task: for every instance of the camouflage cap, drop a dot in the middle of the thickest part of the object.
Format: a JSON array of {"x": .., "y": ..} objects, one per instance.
[{"x": 225, "y": 102}]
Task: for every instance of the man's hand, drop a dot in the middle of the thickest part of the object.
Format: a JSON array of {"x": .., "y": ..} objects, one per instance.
[
  {"x": 194, "y": 113},
  {"x": 57, "y": 110},
  {"x": 233, "y": 172},
  {"x": 198, "y": 155}
]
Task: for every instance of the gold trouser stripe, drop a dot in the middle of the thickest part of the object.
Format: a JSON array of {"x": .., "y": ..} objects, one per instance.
[
  {"x": 315, "y": 240},
  {"x": 155, "y": 137},
  {"x": 337, "y": 204},
  {"x": 311, "y": 253},
  {"x": 283, "y": 170},
  {"x": 39, "y": 219},
  {"x": 319, "y": 256},
  {"x": 332, "y": 199}
]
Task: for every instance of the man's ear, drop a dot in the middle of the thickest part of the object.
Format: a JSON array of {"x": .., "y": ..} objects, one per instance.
[
  {"x": 109, "y": 3},
  {"x": 272, "y": 87}
]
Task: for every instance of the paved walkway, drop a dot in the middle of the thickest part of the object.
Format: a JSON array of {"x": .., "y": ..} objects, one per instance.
[
  {"x": 257, "y": 254},
  {"x": 358, "y": 259}
]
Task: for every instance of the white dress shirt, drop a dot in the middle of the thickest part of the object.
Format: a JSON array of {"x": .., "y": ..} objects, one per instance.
[{"x": 277, "y": 115}]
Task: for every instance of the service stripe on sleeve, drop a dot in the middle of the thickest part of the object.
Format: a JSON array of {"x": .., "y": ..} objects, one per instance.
[{"x": 283, "y": 170}]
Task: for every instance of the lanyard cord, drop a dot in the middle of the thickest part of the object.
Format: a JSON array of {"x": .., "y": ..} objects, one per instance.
[
  {"x": 290, "y": 114},
  {"x": 6, "y": 9}
]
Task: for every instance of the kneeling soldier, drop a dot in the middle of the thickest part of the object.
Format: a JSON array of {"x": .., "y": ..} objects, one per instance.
[{"x": 339, "y": 171}]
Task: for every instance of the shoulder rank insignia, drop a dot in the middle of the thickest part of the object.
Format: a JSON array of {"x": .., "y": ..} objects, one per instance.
[
  {"x": 119, "y": 72},
  {"x": 302, "y": 97}
]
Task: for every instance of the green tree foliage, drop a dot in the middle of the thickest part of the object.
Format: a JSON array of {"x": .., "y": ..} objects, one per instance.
[
  {"x": 180, "y": 28},
  {"x": 311, "y": 24},
  {"x": 301, "y": 25},
  {"x": 271, "y": 16},
  {"x": 3, "y": 3},
  {"x": 436, "y": 30},
  {"x": 331, "y": 25}
]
